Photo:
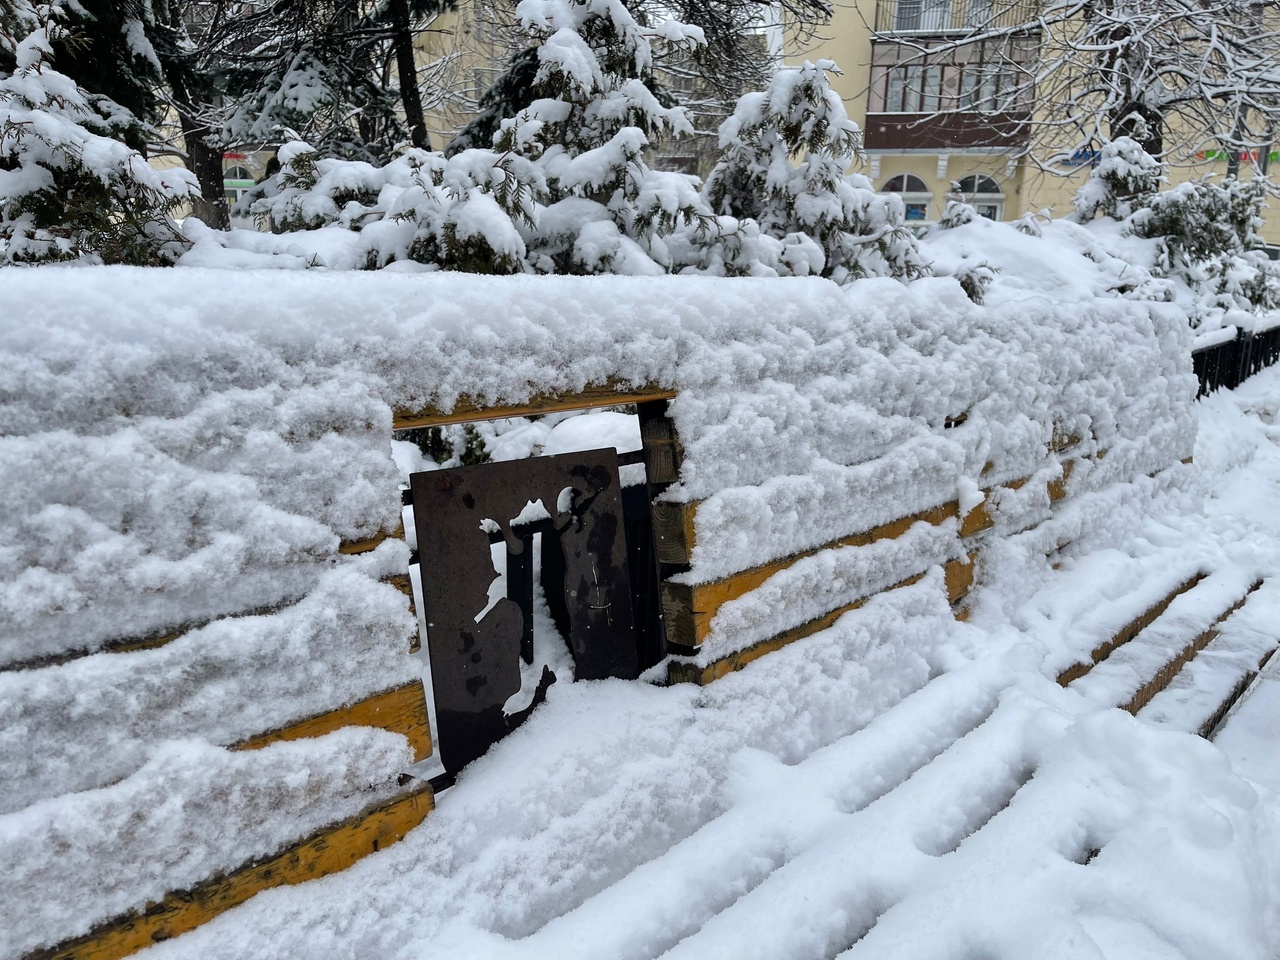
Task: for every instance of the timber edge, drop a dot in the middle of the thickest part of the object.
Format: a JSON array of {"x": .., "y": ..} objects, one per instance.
[
  {"x": 612, "y": 392},
  {"x": 325, "y": 851}
]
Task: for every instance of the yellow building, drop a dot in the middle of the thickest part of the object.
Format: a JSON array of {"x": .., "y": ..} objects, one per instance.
[{"x": 897, "y": 96}]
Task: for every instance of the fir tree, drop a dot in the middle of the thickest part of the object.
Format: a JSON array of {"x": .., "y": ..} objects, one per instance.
[
  {"x": 860, "y": 232},
  {"x": 70, "y": 189},
  {"x": 592, "y": 115}
]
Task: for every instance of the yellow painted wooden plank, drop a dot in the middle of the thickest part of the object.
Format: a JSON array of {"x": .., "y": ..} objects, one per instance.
[
  {"x": 401, "y": 710},
  {"x": 689, "y": 609},
  {"x": 958, "y": 576},
  {"x": 348, "y": 547},
  {"x": 469, "y": 410},
  {"x": 325, "y": 851}
]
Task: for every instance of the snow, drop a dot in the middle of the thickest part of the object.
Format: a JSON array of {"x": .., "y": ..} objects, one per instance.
[
  {"x": 260, "y": 435},
  {"x": 90, "y": 722},
  {"x": 178, "y": 448}
]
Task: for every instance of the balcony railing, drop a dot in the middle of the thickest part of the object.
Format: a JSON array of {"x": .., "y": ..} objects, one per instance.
[
  {"x": 945, "y": 132},
  {"x": 953, "y": 16}
]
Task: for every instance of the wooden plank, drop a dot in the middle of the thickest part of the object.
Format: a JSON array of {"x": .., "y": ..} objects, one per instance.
[
  {"x": 1164, "y": 676},
  {"x": 404, "y": 583},
  {"x": 401, "y": 710},
  {"x": 689, "y": 609},
  {"x": 679, "y": 671},
  {"x": 325, "y": 851},
  {"x": 958, "y": 575},
  {"x": 349, "y": 547},
  {"x": 1058, "y": 487},
  {"x": 149, "y": 642},
  {"x": 468, "y": 409},
  {"x": 1210, "y": 726},
  {"x": 1127, "y": 632},
  {"x": 663, "y": 451},
  {"x": 673, "y": 531},
  {"x": 1061, "y": 440}
]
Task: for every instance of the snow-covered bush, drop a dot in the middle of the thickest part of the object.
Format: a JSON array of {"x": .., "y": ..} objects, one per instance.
[
  {"x": 458, "y": 213},
  {"x": 956, "y": 213},
  {"x": 1124, "y": 179},
  {"x": 860, "y": 232},
  {"x": 69, "y": 189},
  {"x": 1208, "y": 235},
  {"x": 566, "y": 188}
]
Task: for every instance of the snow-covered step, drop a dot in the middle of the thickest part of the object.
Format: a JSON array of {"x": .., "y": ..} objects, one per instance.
[
  {"x": 1133, "y": 613},
  {"x": 1206, "y": 688},
  {"x": 1138, "y": 670}
]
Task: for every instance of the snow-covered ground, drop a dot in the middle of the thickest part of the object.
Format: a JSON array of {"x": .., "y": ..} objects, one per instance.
[{"x": 901, "y": 785}]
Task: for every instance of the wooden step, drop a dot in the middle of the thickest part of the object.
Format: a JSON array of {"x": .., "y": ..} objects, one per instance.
[
  {"x": 323, "y": 852},
  {"x": 1135, "y": 671},
  {"x": 1201, "y": 694},
  {"x": 1142, "y": 696},
  {"x": 1128, "y": 631}
]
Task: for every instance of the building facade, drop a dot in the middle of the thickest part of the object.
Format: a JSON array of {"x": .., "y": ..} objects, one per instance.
[{"x": 941, "y": 110}]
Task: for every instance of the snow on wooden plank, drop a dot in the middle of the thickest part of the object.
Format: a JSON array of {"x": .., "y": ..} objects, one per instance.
[
  {"x": 958, "y": 578},
  {"x": 690, "y": 608},
  {"x": 1128, "y": 631},
  {"x": 326, "y": 851},
  {"x": 613, "y": 392},
  {"x": 400, "y": 710}
]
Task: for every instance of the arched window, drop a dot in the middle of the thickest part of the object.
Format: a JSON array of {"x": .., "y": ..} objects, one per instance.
[
  {"x": 236, "y": 181},
  {"x": 905, "y": 183},
  {"x": 915, "y": 194},
  {"x": 977, "y": 183},
  {"x": 984, "y": 193}
]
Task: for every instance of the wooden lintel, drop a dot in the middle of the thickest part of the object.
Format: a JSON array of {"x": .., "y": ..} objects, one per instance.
[
  {"x": 689, "y": 609},
  {"x": 401, "y": 710},
  {"x": 325, "y": 851},
  {"x": 958, "y": 575},
  {"x": 470, "y": 410},
  {"x": 1127, "y": 632},
  {"x": 349, "y": 547}
]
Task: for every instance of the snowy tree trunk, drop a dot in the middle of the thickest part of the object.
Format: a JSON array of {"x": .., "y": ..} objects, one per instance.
[
  {"x": 408, "y": 74},
  {"x": 204, "y": 159}
]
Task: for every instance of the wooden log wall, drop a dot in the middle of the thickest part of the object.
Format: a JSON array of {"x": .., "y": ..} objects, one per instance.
[{"x": 688, "y": 610}]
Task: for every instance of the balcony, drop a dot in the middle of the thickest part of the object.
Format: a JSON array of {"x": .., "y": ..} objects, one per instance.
[
  {"x": 943, "y": 17},
  {"x": 977, "y": 94},
  {"x": 945, "y": 132}
]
